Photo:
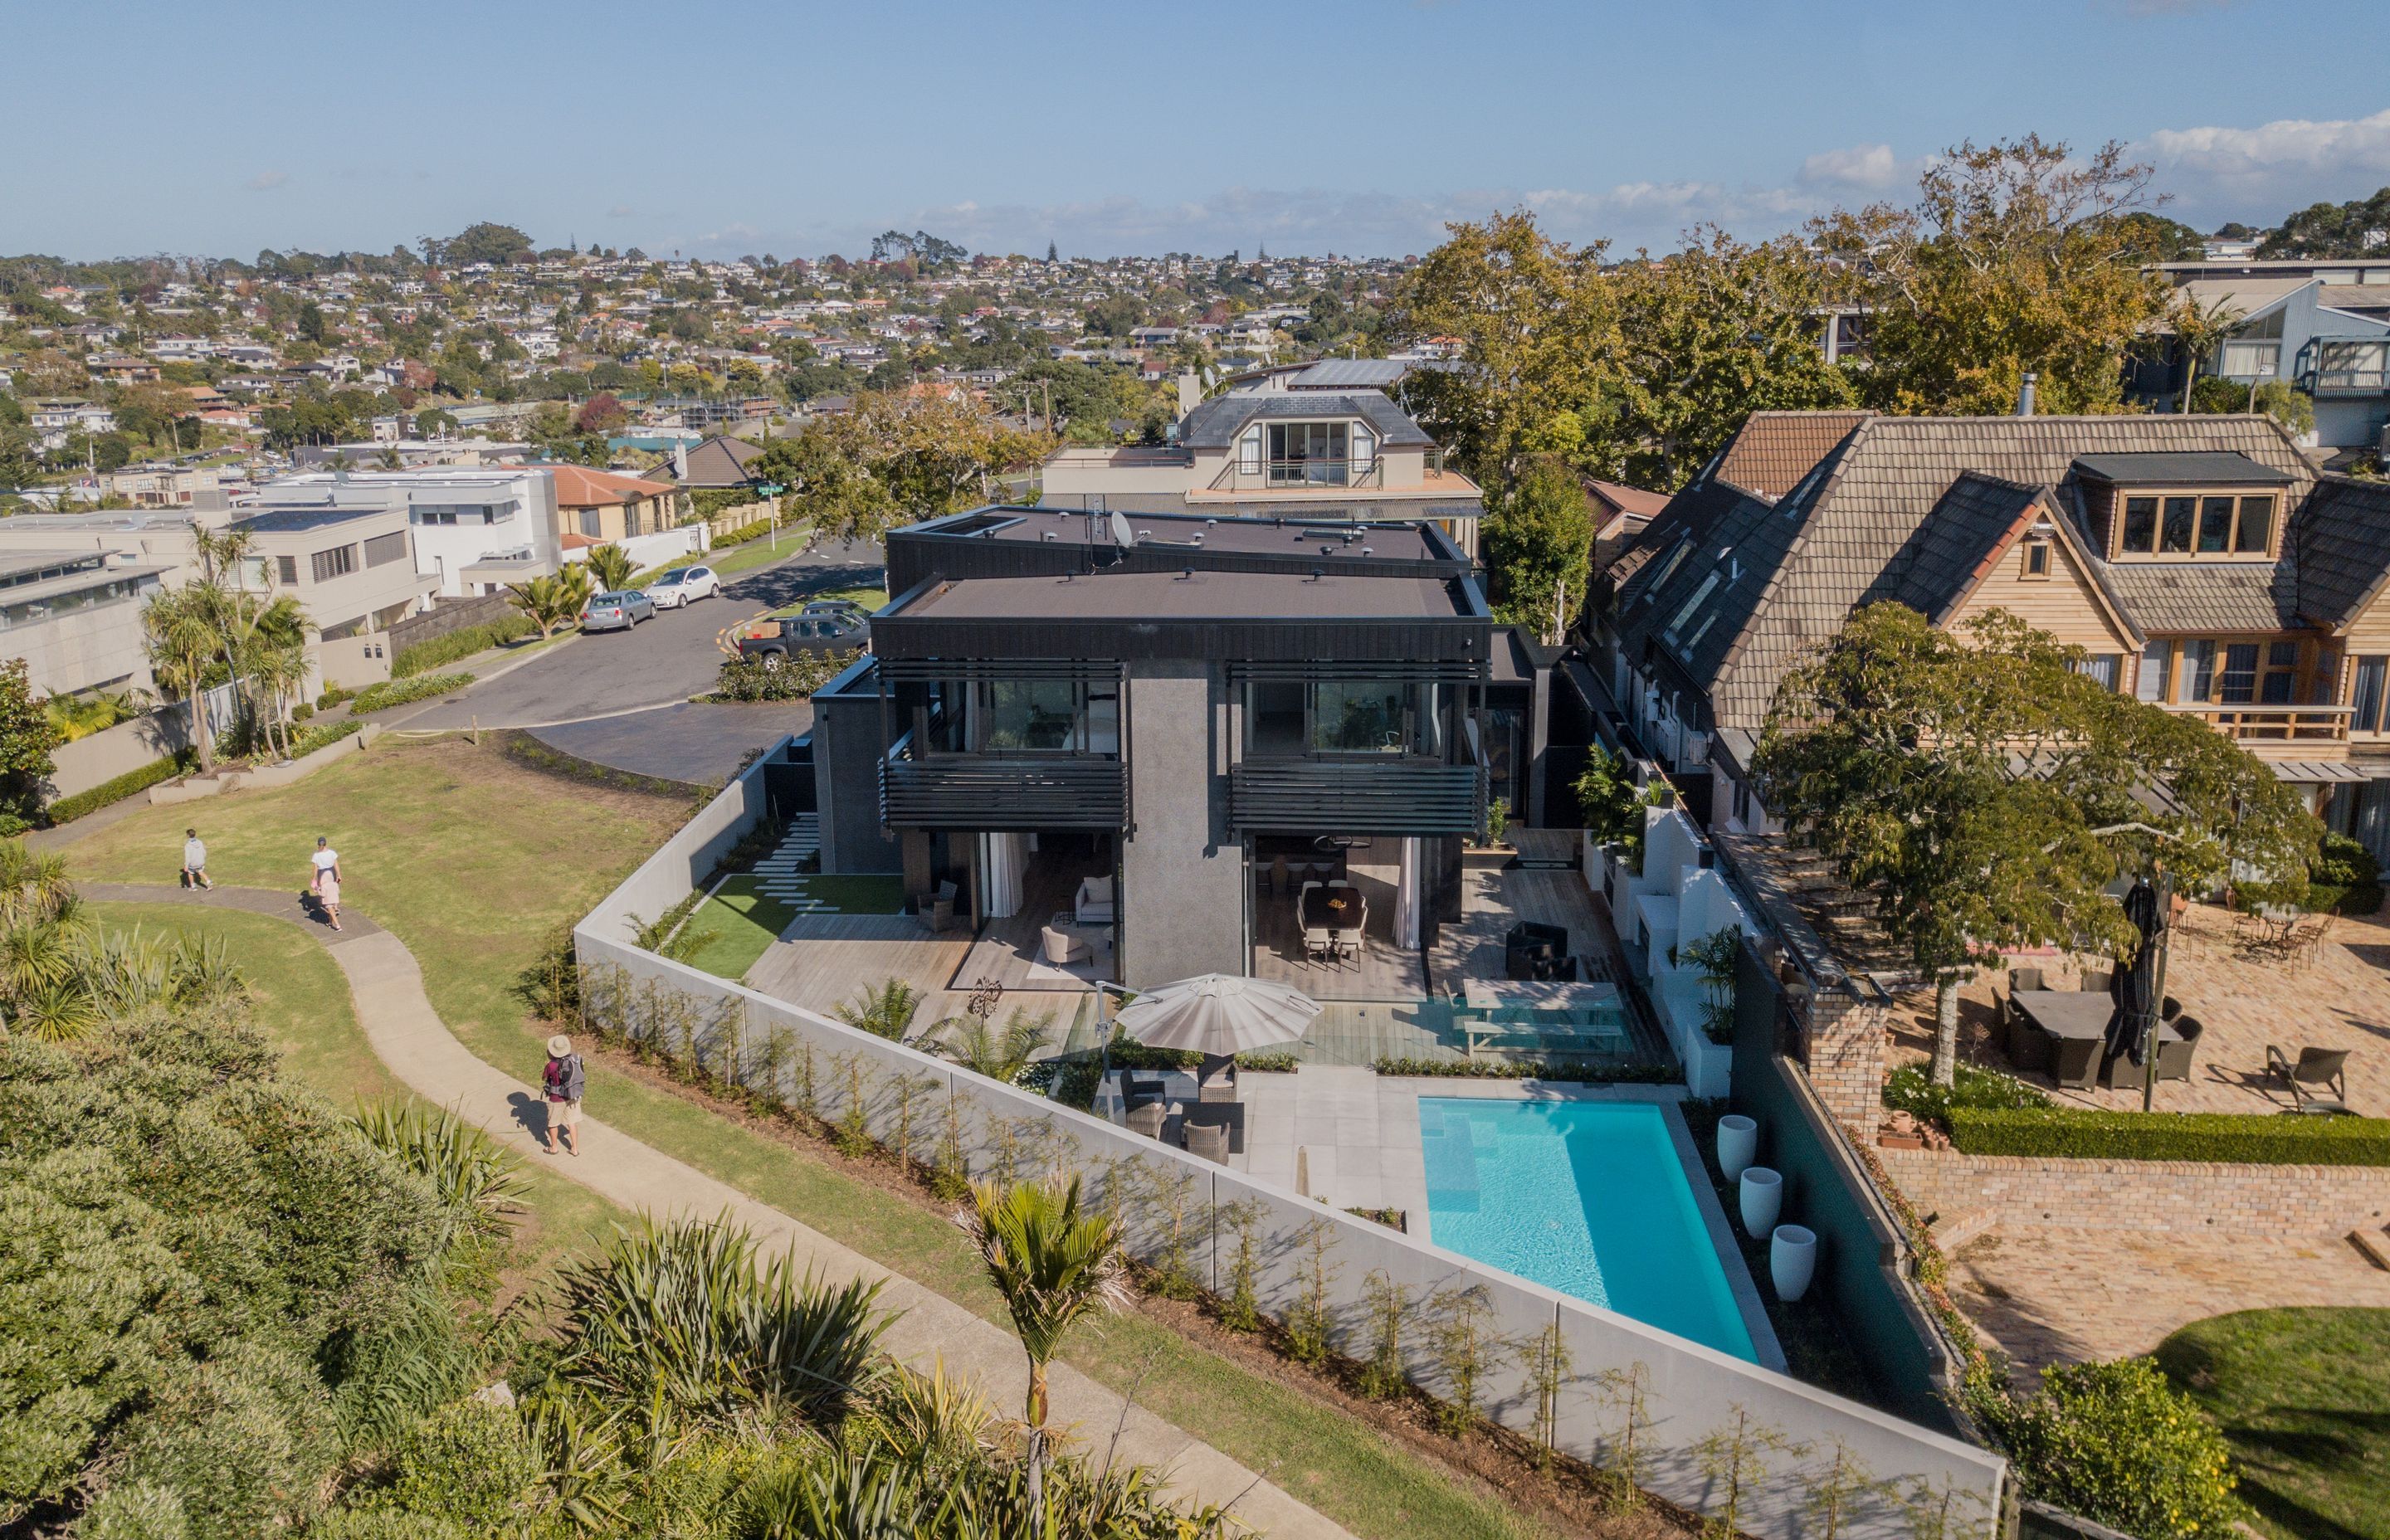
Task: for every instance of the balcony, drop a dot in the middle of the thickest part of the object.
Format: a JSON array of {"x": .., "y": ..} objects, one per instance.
[
  {"x": 1027, "y": 792},
  {"x": 1306, "y": 475},
  {"x": 2288, "y": 730},
  {"x": 1389, "y": 797},
  {"x": 2346, "y": 369}
]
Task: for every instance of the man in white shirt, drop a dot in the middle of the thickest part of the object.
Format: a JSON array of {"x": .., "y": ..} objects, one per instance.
[{"x": 195, "y": 861}]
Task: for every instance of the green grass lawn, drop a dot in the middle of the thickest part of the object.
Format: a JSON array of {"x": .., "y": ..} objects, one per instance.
[
  {"x": 474, "y": 862},
  {"x": 870, "y": 599},
  {"x": 2304, "y": 1397},
  {"x": 301, "y": 999},
  {"x": 757, "y": 553},
  {"x": 739, "y": 921}
]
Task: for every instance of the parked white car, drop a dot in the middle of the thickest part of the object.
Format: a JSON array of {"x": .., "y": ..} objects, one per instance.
[{"x": 683, "y": 585}]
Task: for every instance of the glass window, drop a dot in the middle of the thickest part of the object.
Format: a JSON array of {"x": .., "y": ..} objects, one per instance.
[
  {"x": 2257, "y": 524},
  {"x": 1357, "y": 716},
  {"x": 593, "y": 523},
  {"x": 2140, "y": 524},
  {"x": 2238, "y": 683},
  {"x": 2214, "y": 523},
  {"x": 383, "y": 549},
  {"x": 1249, "y": 452},
  {"x": 2282, "y": 674},
  {"x": 2199, "y": 671},
  {"x": 2101, "y": 666},
  {"x": 287, "y": 568},
  {"x": 2323, "y": 680},
  {"x": 2174, "y": 536},
  {"x": 2372, "y": 674},
  {"x": 1307, "y": 452},
  {"x": 2036, "y": 559},
  {"x": 1708, "y": 586},
  {"x": 1274, "y": 717},
  {"x": 1033, "y": 714},
  {"x": 2156, "y": 662}
]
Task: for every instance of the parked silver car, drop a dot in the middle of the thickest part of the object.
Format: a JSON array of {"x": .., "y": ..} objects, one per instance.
[{"x": 617, "y": 611}]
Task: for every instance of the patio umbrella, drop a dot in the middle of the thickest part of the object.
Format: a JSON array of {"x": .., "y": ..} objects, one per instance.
[
  {"x": 1218, "y": 1015},
  {"x": 2134, "y": 988}
]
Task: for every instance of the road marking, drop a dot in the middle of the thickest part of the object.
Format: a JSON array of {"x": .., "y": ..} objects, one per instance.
[{"x": 727, "y": 641}]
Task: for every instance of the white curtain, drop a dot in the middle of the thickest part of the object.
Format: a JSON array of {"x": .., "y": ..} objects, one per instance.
[
  {"x": 1002, "y": 860},
  {"x": 1406, "y": 896}
]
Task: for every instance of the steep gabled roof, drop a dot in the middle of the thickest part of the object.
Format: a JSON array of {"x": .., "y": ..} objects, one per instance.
[
  {"x": 1214, "y": 424},
  {"x": 580, "y": 487},
  {"x": 2342, "y": 539},
  {"x": 1947, "y": 556},
  {"x": 1774, "y": 450}
]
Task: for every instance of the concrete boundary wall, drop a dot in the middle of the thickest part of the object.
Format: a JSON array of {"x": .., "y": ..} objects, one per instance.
[
  {"x": 1302, "y": 1251},
  {"x": 100, "y": 757}
]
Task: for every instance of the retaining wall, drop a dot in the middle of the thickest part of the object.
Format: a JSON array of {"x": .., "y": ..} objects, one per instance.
[
  {"x": 128, "y": 746},
  {"x": 1173, "y": 1201},
  {"x": 2180, "y": 1196},
  {"x": 446, "y": 615}
]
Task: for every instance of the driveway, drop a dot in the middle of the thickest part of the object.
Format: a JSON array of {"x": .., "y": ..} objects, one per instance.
[{"x": 661, "y": 663}]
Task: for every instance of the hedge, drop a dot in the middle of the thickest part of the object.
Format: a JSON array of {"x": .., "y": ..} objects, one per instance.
[
  {"x": 2256, "y": 1138},
  {"x": 400, "y": 692},
  {"x": 463, "y": 642},
  {"x": 68, "y": 809},
  {"x": 322, "y": 735}
]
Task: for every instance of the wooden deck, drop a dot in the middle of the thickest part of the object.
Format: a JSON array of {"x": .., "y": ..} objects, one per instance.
[{"x": 1383, "y": 971}]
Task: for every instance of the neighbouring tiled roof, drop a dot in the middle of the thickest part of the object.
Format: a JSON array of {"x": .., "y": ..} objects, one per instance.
[
  {"x": 2342, "y": 540},
  {"x": 1776, "y": 449},
  {"x": 1216, "y": 423},
  {"x": 1853, "y": 530},
  {"x": 721, "y": 462},
  {"x": 1946, "y": 554},
  {"x": 580, "y": 487},
  {"x": 2205, "y": 596}
]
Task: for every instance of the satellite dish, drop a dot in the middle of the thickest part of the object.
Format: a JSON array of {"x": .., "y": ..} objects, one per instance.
[{"x": 1123, "y": 535}]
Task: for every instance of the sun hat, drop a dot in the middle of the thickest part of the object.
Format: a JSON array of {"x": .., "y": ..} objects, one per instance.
[{"x": 558, "y": 1045}]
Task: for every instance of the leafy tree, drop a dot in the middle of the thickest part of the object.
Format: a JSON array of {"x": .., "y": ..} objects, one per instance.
[
  {"x": 2116, "y": 1444},
  {"x": 1610, "y": 802},
  {"x": 1053, "y": 1263},
  {"x": 1539, "y": 550},
  {"x": 498, "y": 245},
  {"x": 27, "y": 736},
  {"x": 311, "y": 323},
  {"x": 2357, "y": 228},
  {"x": 1983, "y": 793},
  {"x": 2154, "y": 238},
  {"x": 894, "y": 460},
  {"x": 1115, "y": 316},
  {"x": 2014, "y": 259},
  {"x": 2279, "y": 399}
]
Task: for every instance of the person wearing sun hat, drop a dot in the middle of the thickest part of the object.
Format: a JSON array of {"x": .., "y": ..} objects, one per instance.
[{"x": 562, "y": 1081}]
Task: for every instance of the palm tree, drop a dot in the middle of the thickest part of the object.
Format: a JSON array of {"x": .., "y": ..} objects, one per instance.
[
  {"x": 970, "y": 1042},
  {"x": 1053, "y": 1263},
  {"x": 182, "y": 640},
  {"x": 551, "y": 603},
  {"x": 282, "y": 672},
  {"x": 886, "y": 1011},
  {"x": 612, "y": 567}
]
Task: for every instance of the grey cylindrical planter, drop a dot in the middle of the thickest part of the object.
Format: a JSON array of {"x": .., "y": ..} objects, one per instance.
[
  {"x": 1763, "y": 1199},
  {"x": 1793, "y": 1261},
  {"x": 1737, "y": 1145}
]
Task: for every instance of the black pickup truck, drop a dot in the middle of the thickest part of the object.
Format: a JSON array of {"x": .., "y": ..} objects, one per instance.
[{"x": 779, "y": 636}]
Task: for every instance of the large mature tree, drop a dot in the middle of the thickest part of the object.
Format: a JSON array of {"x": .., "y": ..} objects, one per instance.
[
  {"x": 2015, "y": 258},
  {"x": 893, "y": 459},
  {"x": 2357, "y": 228},
  {"x": 1538, "y": 540},
  {"x": 1979, "y": 790}
]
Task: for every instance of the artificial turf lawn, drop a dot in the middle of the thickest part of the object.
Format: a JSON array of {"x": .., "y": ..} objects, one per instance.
[
  {"x": 2303, "y": 1397},
  {"x": 474, "y": 862},
  {"x": 739, "y": 921}
]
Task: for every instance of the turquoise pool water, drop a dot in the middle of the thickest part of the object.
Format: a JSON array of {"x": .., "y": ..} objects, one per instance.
[{"x": 1587, "y": 1198}]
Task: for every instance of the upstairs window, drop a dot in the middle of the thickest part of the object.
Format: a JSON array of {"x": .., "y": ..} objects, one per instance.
[
  {"x": 2036, "y": 559},
  {"x": 2196, "y": 524}
]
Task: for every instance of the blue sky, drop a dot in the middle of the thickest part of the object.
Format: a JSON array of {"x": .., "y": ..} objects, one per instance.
[{"x": 1309, "y": 125}]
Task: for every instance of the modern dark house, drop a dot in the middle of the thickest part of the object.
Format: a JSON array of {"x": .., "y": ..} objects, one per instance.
[{"x": 1147, "y": 733}]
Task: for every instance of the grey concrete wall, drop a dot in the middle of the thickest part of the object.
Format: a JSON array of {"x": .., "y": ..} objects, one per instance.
[
  {"x": 89, "y": 761},
  {"x": 1182, "y": 877},
  {"x": 78, "y": 650},
  {"x": 846, "y": 786}
]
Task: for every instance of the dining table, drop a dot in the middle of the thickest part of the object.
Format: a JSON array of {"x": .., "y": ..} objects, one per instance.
[
  {"x": 2073, "y": 1019},
  {"x": 1335, "y": 907},
  {"x": 1591, "y": 1012}
]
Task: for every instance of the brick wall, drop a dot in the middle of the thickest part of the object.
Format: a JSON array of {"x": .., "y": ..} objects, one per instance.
[
  {"x": 2193, "y": 1196},
  {"x": 1842, "y": 1049}
]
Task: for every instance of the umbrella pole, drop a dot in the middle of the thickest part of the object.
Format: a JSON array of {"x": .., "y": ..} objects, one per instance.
[{"x": 2161, "y": 939}]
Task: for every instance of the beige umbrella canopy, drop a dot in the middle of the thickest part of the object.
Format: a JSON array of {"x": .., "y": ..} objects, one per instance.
[{"x": 1218, "y": 1015}]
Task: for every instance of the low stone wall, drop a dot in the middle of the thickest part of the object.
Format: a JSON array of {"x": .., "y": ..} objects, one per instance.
[{"x": 2186, "y": 1197}]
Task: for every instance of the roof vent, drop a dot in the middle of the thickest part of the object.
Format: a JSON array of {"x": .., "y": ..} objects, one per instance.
[
  {"x": 1187, "y": 574},
  {"x": 1367, "y": 551},
  {"x": 2025, "y": 395},
  {"x": 1049, "y": 535},
  {"x": 1317, "y": 574}
]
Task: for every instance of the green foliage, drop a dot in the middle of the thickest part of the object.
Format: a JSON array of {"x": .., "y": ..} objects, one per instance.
[
  {"x": 792, "y": 678},
  {"x": 2345, "y": 862},
  {"x": 1612, "y": 804},
  {"x": 244, "y": 1440},
  {"x": 2256, "y": 1138},
  {"x": 609, "y": 568},
  {"x": 711, "y": 501},
  {"x": 2116, "y": 1442},
  {"x": 134, "y": 1510},
  {"x": 498, "y": 245},
  {"x": 472, "y": 1463},
  {"x": 886, "y": 1011},
  {"x": 322, "y": 735},
  {"x": 1497, "y": 827},
  {"x": 115, "y": 790},
  {"x": 27, "y": 736},
  {"x": 1002, "y": 1055},
  {"x": 2346, "y": 229},
  {"x": 402, "y": 692},
  {"x": 892, "y": 459},
  {"x": 1520, "y": 1069},
  {"x": 80, "y": 716},
  {"x": 1717, "y": 956},
  {"x": 463, "y": 642},
  {"x": 1911, "y": 1089},
  {"x": 1539, "y": 541}
]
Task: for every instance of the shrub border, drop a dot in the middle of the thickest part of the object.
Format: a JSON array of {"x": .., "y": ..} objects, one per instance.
[
  {"x": 66, "y": 810},
  {"x": 2246, "y": 1138}
]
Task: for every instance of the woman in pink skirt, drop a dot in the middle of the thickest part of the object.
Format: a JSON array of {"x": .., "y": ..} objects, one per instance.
[{"x": 327, "y": 881}]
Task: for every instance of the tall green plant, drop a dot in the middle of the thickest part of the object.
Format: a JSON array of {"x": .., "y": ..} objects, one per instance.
[{"x": 885, "y": 1010}]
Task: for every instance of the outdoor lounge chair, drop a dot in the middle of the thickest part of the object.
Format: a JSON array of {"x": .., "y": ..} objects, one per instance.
[
  {"x": 1147, "y": 1118},
  {"x": 1220, "y": 1085},
  {"x": 2097, "y": 981},
  {"x": 1530, "y": 948},
  {"x": 1209, "y": 1142},
  {"x": 1062, "y": 947},
  {"x": 2174, "y": 1058},
  {"x": 2324, "y": 1067},
  {"x": 1093, "y": 903}
]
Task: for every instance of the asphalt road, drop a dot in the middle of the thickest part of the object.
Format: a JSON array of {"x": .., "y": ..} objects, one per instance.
[{"x": 659, "y": 661}]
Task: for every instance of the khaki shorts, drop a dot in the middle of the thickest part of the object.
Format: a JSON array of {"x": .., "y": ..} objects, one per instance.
[{"x": 564, "y": 1114}]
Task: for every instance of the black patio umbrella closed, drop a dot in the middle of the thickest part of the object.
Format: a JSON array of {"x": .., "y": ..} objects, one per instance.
[{"x": 2135, "y": 987}]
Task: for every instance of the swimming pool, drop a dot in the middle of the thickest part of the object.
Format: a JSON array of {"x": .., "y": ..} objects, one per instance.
[{"x": 1585, "y": 1197}]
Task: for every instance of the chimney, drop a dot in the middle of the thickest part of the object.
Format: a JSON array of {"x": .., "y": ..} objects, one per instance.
[
  {"x": 1191, "y": 392},
  {"x": 680, "y": 460},
  {"x": 2024, "y": 396}
]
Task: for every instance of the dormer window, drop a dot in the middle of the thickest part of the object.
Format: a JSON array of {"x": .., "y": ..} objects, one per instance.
[{"x": 2198, "y": 523}]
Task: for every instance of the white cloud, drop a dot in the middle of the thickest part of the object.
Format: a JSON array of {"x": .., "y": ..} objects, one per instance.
[
  {"x": 266, "y": 181},
  {"x": 1873, "y": 167},
  {"x": 2289, "y": 144},
  {"x": 619, "y": 211}
]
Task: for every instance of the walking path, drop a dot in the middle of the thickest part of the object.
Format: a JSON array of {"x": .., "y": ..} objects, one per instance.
[{"x": 411, "y": 1039}]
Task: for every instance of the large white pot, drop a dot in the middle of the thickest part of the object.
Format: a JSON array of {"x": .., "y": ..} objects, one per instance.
[
  {"x": 1737, "y": 1145},
  {"x": 1763, "y": 1199},
  {"x": 1793, "y": 1261}
]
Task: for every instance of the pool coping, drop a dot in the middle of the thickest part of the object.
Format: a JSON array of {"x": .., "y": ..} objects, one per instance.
[{"x": 1739, "y": 1281}]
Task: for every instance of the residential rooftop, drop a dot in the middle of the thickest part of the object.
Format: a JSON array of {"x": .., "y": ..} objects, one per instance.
[{"x": 1191, "y": 595}]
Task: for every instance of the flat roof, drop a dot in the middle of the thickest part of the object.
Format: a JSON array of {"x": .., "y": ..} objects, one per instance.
[
  {"x": 13, "y": 563},
  {"x": 2184, "y": 467},
  {"x": 289, "y": 521},
  {"x": 1188, "y": 596},
  {"x": 1403, "y": 541}
]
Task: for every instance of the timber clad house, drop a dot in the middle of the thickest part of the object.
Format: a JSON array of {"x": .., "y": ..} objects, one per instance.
[{"x": 2200, "y": 562}]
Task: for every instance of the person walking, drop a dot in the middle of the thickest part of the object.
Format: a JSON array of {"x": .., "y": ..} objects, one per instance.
[
  {"x": 326, "y": 883},
  {"x": 563, "y": 1080},
  {"x": 195, "y": 861}
]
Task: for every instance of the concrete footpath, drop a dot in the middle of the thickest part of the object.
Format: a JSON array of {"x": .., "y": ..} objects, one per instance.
[{"x": 410, "y": 1038}]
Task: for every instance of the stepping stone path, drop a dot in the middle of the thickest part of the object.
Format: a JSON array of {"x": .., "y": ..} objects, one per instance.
[{"x": 779, "y": 876}]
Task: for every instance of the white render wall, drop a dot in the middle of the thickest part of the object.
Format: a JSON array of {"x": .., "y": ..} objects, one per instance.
[{"x": 1691, "y": 1391}]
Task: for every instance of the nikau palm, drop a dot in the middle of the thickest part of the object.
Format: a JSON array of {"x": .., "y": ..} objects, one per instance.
[{"x": 1053, "y": 1263}]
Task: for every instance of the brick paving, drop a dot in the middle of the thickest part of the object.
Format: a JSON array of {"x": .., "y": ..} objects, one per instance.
[
  {"x": 2337, "y": 998},
  {"x": 2067, "y": 1295}
]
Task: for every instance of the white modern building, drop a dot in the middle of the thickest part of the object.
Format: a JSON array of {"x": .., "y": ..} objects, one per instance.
[{"x": 474, "y": 530}]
